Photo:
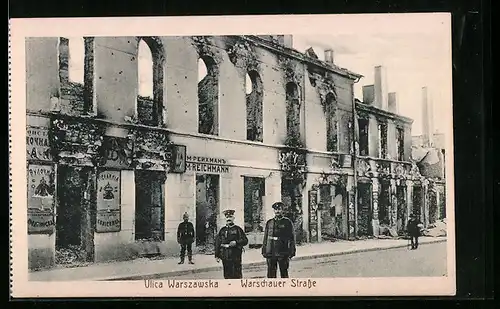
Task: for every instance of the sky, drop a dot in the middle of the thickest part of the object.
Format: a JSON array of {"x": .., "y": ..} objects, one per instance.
[
  {"x": 415, "y": 51},
  {"x": 411, "y": 61}
]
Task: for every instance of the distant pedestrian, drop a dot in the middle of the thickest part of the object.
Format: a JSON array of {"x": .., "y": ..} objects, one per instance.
[
  {"x": 413, "y": 228},
  {"x": 229, "y": 244},
  {"x": 278, "y": 246},
  {"x": 185, "y": 237}
]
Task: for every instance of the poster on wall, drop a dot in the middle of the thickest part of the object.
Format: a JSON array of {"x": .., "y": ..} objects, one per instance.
[
  {"x": 41, "y": 189},
  {"x": 108, "y": 202},
  {"x": 313, "y": 216},
  {"x": 37, "y": 144}
]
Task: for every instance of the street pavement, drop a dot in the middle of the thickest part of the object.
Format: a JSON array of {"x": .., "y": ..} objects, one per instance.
[{"x": 427, "y": 260}]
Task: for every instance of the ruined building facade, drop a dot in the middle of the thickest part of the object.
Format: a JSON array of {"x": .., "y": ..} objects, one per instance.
[
  {"x": 119, "y": 149},
  {"x": 391, "y": 184}
]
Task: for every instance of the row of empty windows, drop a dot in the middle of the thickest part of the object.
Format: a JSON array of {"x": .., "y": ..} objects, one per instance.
[
  {"x": 150, "y": 91},
  {"x": 382, "y": 140}
]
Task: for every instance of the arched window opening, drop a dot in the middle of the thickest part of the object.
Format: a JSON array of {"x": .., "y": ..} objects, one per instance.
[
  {"x": 145, "y": 70},
  {"x": 150, "y": 63},
  {"x": 331, "y": 124},
  {"x": 208, "y": 96},
  {"x": 293, "y": 112},
  {"x": 248, "y": 84},
  {"x": 254, "y": 98},
  {"x": 76, "y": 70}
]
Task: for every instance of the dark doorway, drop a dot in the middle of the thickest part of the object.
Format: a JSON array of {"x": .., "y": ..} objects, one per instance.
[
  {"x": 402, "y": 209},
  {"x": 150, "y": 205},
  {"x": 253, "y": 191},
  {"x": 332, "y": 211},
  {"x": 364, "y": 209},
  {"x": 417, "y": 201},
  {"x": 207, "y": 209},
  {"x": 384, "y": 202},
  {"x": 291, "y": 196},
  {"x": 70, "y": 182},
  {"x": 74, "y": 231},
  {"x": 433, "y": 206}
]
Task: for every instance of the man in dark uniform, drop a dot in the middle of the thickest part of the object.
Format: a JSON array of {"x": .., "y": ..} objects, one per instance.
[
  {"x": 229, "y": 244},
  {"x": 278, "y": 246},
  {"x": 185, "y": 237},
  {"x": 413, "y": 229}
]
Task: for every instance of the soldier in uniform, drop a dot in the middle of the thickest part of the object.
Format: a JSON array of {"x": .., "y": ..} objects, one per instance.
[
  {"x": 185, "y": 238},
  {"x": 413, "y": 228},
  {"x": 278, "y": 246},
  {"x": 229, "y": 244}
]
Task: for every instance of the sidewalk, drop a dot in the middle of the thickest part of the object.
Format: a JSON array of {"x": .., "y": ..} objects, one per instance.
[{"x": 143, "y": 267}]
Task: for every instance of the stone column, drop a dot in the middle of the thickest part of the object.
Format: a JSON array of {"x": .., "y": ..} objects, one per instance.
[
  {"x": 393, "y": 211},
  {"x": 375, "y": 192},
  {"x": 351, "y": 210}
]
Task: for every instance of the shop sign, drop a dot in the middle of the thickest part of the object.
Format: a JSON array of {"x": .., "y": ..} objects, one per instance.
[
  {"x": 108, "y": 201},
  {"x": 41, "y": 190},
  {"x": 313, "y": 216},
  {"x": 116, "y": 152},
  {"x": 37, "y": 144},
  {"x": 206, "y": 165}
]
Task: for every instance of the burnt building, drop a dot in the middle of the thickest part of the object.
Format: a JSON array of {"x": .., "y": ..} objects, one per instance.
[
  {"x": 390, "y": 184},
  {"x": 125, "y": 134}
]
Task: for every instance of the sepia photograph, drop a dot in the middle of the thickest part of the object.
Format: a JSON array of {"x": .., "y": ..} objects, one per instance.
[{"x": 239, "y": 156}]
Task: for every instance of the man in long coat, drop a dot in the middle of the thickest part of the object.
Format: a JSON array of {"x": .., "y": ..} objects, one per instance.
[
  {"x": 279, "y": 242},
  {"x": 185, "y": 238},
  {"x": 413, "y": 229},
  {"x": 229, "y": 244}
]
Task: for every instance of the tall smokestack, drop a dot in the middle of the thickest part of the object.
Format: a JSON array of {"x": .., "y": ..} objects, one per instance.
[
  {"x": 329, "y": 56},
  {"x": 368, "y": 94},
  {"x": 427, "y": 118},
  {"x": 380, "y": 88},
  {"x": 392, "y": 102}
]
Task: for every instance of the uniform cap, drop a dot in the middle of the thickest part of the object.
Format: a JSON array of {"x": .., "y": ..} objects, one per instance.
[
  {"x": 185, "y": 216},
  {"x": 278, "y": 205},
  {"x": 228, "y": 212}
]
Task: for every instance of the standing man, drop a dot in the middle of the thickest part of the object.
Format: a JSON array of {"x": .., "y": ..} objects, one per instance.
[
  {"x": 185, "y": 238},
  {"x": 413, "y": 229},
  {"x": 229, "y": 244},
  {"x": 278, "y": 246}
]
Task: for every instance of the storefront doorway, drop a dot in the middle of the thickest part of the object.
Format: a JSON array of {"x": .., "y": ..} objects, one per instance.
[
  {"x": 332, "y": 211},
  {"x": 384, "y": 203},
  {"x": 207, "y": 210},
  {"x": 402, "y": 209},
  {"x": 291, "y": 196},
  {"x": 74, "y": 235},
  {"x": 417, "y": 201},
  {"x": 364, "y": 209},
  {"x": 150, "y": 205}
]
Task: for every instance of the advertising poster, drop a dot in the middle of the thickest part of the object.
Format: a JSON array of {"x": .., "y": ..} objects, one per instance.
[
  {"x": 41, "y": 190},
  {"x": 108, "y": 202}
]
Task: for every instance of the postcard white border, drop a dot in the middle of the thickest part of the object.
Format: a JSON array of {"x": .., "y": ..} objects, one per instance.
[{"x": 183, "y": 26}]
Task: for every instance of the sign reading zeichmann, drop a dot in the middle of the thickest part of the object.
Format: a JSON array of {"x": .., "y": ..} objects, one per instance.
[{"x": 206, "y": 164}]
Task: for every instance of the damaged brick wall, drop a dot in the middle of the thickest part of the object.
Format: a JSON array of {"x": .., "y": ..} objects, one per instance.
[
  {"x": 208, "y": 99},
  {"x": 254, "y": 108},
  {"x": 75, "y": 97}
]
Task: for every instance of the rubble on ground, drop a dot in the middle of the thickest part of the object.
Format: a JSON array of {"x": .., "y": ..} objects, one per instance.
[{"x": 437, "y": 229}]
